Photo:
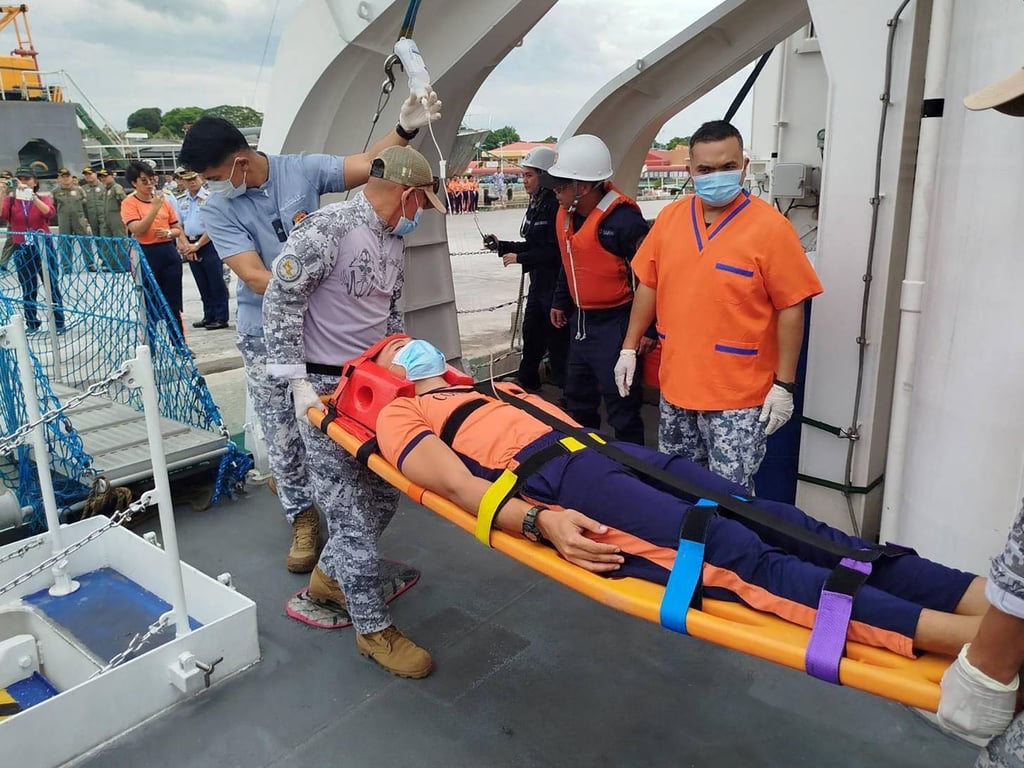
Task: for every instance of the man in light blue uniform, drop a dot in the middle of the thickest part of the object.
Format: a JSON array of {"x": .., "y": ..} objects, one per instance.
[
  {"x": 257, "y": 200},
  {"x": 197, "y": 248}
]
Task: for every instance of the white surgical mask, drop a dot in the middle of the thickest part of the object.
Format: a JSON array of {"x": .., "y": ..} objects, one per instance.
[{"x": 225, "y": 187}]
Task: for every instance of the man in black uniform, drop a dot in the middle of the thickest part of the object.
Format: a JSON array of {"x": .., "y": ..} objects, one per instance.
[{"x": 540, "y": 258}]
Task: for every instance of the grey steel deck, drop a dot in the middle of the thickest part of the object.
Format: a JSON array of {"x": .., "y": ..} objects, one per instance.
[
  {"x": 527, "y": 673},
  {"x": 114, "y": 435}
]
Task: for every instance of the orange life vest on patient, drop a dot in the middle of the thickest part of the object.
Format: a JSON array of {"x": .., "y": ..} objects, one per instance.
[{"x": 598, "y": 278}]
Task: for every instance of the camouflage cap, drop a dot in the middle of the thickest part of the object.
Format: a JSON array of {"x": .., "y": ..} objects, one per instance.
[{"x": 406, "y": 166}]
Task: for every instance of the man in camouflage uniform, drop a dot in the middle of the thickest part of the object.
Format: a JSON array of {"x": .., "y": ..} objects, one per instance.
[
  {"x": 333, "y": 292},
  {"x": 115, "y": 256},
  {"x": 71, "y": 218},
  {"x": 113, "y": 194},
  {"x": 95, "y": 201},
  {"x": 979, "y": 690}
]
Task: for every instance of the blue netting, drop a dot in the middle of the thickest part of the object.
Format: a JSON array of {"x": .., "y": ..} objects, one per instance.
[{"x": 105, "y": 301}]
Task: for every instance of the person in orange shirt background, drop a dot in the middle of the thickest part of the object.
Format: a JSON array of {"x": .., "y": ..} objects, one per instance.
[
  {"x": 728, "y": 278},
  {"x": 154, "y": 224}
]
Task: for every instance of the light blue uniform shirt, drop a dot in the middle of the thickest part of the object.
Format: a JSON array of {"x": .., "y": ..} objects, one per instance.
[
  {"x": 174, "y": 204},
  {"x": 188, "y": 212},
  {"x": 261, "y": 219}
]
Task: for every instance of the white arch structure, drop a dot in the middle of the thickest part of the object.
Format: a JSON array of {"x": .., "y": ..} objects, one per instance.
[{"x": 327, "y": 79}]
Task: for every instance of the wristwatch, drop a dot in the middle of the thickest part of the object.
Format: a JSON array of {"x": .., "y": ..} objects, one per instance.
[
  {"x": 530, "y": 529},
  {"x": 407, "y": 135}
]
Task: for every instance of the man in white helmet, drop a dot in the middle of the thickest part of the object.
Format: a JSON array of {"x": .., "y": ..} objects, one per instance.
[
  {"x": 599, "y": 229},
  {"x": 540, "y": 258}
]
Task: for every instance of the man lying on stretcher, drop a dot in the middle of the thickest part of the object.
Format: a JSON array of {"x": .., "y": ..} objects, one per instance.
[{"x": 602, "y": 516}]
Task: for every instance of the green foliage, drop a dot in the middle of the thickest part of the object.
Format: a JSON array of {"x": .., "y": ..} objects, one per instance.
[
  {"x": 175, "y": 120},
  {"x": 147, "y": 118},
  {"x": 242, "y": 117},
  {"x": 678, "y": 141},
  {"x": 549, "y": 140},
  {"x": 499, "y": 138}
]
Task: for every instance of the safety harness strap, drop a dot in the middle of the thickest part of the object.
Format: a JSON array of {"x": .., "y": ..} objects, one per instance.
[
  {"x": 683, "y": 590},
  {"x": 828, "y": 638},
  {"x": 735, "y": 505},
  {"x": 457, "y": 418},
  {"x": 510, "y": 482}
]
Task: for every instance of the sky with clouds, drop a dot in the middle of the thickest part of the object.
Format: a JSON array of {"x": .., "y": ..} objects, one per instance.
[{"x": 126, "y": 54}]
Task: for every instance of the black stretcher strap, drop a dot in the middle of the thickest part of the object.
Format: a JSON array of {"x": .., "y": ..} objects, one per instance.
[
  {"x": 736, "y": 506},
  {"x": 366, "y": 450},
  {"x": 457, "y": 418}
]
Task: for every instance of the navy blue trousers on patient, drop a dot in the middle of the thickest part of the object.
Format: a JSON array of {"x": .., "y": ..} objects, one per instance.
[
  {"x": 752, "y": 564},
  {"x": 590, "y": 373}
]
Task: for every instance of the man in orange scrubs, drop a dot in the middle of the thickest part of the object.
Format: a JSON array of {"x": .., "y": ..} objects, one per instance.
[{"x": 728, "y": 278}]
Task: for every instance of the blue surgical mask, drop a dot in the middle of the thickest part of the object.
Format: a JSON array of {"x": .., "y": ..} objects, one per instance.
[
  {"x": 421, "y": 360},
  {"x": 225, "y": 187},
  {"x": 718, "y": 189},
  {"x": 405, "y": 226}
]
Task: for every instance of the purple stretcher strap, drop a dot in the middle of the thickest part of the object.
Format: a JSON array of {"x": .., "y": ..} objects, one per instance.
[{"x": 828, "y": 638}]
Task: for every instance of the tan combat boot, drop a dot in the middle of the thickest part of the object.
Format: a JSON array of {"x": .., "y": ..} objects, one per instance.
[
  {"x": 325, "y": 590},
  {"x": 395, "y": 652},
  {"x": 305, "y": 538}
]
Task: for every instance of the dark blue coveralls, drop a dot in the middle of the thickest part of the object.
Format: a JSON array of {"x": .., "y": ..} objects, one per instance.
[{"x": 540, "y": 258}]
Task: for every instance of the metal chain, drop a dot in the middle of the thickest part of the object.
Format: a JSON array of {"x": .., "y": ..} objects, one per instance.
[
  {"x": 136, "y": 643},
  {"x": 116, "y": 519},
  {"x": 487, "y": 309},
  {"x": 23, "y": 550},
  {"x": 13, "y": 440}
]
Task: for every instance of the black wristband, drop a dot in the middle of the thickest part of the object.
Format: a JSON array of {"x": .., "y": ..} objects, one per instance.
[
  {"x": 789, "y": 386},
  {"x": 407, "y": 135}
]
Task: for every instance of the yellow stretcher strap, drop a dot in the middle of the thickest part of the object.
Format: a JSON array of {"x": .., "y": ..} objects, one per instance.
[{"x": 509, "y": 482}]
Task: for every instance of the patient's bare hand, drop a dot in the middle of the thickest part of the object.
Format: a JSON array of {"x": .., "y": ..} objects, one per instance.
[{"x": 566, "y": 530}]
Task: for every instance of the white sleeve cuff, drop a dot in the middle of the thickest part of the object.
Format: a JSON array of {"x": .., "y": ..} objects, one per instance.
[
  {"x": 286, "y": 371},
  {"x": 1007, "y": 602}
]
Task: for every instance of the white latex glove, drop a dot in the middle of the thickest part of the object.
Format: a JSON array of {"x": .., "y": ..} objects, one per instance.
[
  {"x": 416, "y": 115},
  {"x": 777, "y": 409},
  {"x": 972, "y": 703},
  {"x": 304, "y": 397},
  {"x": 625, "y": 370}
]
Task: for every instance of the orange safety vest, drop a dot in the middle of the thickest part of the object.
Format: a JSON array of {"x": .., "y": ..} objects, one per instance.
[{"x": 598, "y": 278}]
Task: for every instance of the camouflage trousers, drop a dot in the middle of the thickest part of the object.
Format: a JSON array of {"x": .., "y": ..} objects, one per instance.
[
  {"x": 358, "y": 506},
  {"x": 729, "y": 443},
  {"x": 272, "y": 401},
  {"x": 1005, "y": 750},
  {"x": 1005, "y": 590}
]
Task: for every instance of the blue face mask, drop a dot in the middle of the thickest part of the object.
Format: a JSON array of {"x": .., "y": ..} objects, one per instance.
[
  {"x": 404, "y": 226},
  {"x": 718, "y": 189},
  {"x": 421, "y": 360}
]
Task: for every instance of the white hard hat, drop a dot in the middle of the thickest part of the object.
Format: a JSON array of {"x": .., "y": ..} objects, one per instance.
[
  {"x": 582, "y": 158},
  {"x": 540, "y": 158}
]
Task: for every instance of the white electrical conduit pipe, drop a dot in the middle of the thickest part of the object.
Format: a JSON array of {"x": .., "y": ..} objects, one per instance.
[{"x": 912, "y": 291}]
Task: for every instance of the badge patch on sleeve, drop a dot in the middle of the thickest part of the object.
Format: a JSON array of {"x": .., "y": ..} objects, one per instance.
[{"x": 288, "y": 269}]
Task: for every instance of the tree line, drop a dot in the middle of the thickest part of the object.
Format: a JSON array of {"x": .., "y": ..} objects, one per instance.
[
  {"x": 172, "y": 123},
  {"x": 509, "y": 135}
]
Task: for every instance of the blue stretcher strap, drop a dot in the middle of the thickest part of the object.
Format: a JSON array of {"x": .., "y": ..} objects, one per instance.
[
  {"x": 684, "y": 583},
  {"x": 828, "y": 638}
]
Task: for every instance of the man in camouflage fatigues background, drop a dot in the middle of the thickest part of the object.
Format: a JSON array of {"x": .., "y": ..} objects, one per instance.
[
  {"x": 71, "y": 218},
  {"x": 980, "y": 689},
  {"x": 334, "y": 291}
]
